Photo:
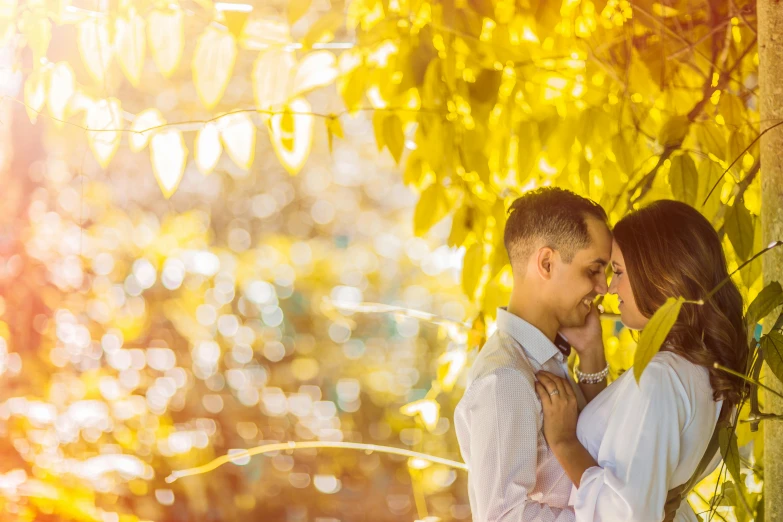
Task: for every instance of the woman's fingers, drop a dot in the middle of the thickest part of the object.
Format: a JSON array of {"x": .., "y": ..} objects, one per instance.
[
  {"x": 547, "y": 380},
  {"x": 554, "y": 383},
  {"x": 543, "y": 394}
]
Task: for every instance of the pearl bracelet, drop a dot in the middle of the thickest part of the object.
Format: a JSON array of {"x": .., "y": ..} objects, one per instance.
[{"x": 591, "y": 378}]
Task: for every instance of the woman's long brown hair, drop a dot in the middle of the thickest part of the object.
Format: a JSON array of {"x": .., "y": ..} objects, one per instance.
[{"x": 671, "y": 250}]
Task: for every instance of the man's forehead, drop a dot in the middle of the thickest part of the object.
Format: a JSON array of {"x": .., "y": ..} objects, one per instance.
[{"x": 600, "y": 248}]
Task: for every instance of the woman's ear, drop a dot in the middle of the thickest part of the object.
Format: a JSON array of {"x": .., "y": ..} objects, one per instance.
[{"x": 544, "y": 259}]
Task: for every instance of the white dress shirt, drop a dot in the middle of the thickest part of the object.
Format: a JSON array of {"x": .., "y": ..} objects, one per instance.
[
  {"x": 513, "y": 475},
  {"x": 647, "y": 439}
]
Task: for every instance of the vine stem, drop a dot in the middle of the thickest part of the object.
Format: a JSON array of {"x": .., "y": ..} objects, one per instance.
[{"x": 287, "y": 446}]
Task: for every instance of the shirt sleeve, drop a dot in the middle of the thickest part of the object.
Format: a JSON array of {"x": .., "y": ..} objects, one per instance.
[
  {"x": 504, "y": 419},
  {"x": 638, "y": 454}
]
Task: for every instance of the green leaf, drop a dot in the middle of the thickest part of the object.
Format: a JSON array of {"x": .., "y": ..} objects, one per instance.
[
  {"x": 472, "y": 265},
  {"x": 768, "y": 299},
  {"x": 394, "y": 136},
  {"x": 684, "y": 178},
  {"x": 710, "y": 137},
  {"x": 772, "y": 348},
  {"x": 739, "y": 228},
  {"x": 431, "y": 208},
  {"x": 654, "y": 334},
  {"x": 297, "y": 9},
  {"x": 674, "y": 130},
  {"x": 730, "y": 452},
  {"x": 779, "y": 323}
]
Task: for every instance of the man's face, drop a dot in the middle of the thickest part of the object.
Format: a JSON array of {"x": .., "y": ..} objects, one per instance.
[{"x": 574, "y": 285}]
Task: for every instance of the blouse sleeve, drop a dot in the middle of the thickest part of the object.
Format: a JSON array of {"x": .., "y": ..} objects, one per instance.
[{"x": 638, "y": 454}]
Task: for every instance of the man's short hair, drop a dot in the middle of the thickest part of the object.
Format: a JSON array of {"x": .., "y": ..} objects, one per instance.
[{"x": 552, "y": 217}]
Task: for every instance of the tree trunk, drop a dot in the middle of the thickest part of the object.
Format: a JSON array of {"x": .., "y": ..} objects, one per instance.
[{"x": 770, "y": 30}]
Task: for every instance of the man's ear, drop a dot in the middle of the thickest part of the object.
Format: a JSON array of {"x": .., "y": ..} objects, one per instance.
[{"x": 544, "y": 259}]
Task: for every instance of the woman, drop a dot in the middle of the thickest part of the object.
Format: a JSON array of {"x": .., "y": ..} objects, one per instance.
[{"x": 634, "y": 442}]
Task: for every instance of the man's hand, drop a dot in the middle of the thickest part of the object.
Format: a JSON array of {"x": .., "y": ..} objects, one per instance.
[{"x": 673, "y": 501}]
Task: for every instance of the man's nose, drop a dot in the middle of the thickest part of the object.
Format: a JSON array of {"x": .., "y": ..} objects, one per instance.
[{"x": 602, "y": 286}]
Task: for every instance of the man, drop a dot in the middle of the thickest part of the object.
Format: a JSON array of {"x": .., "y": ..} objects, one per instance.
[{"x": 559, "y": 245}]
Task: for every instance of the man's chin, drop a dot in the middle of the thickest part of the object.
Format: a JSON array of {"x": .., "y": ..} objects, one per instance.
[{"x": 576, "y": 320}]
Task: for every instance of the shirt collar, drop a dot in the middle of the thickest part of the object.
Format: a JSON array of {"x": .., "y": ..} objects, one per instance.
[{"x": 532, "y": 340}]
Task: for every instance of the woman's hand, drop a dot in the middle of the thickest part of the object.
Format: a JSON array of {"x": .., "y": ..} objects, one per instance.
[{"x": 560, "y": 409}]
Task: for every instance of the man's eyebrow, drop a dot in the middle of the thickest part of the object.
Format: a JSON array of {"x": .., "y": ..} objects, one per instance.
[{"x": 600, "y": 261}]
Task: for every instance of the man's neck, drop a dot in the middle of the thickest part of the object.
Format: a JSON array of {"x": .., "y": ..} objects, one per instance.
[{"x": 532, "y": 311}]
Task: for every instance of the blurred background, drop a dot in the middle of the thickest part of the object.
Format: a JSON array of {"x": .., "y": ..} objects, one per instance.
[{"x": 210, "y": 240}]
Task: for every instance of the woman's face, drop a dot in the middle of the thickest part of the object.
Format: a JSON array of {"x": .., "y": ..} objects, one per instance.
[{"x": 621, "y": 286}]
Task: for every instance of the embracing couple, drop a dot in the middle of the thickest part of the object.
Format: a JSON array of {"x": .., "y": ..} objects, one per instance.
[{"x": 542, "y": 445}]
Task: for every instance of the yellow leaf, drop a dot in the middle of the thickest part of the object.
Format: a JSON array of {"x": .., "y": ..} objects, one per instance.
[
  {"x": 166, "y": 30},
  {"x": 739, "y": 228},
  {"x": 394, "y": 136},
  {"x": 323, "y": 29},
  {"x": 683, "y": 178},
  {"x": 148, "y": 119},
  {"x": 37, "y": 31},
  {"x": 674, "y": 130},
  {"x": 104, "y": 118},
  {"x": 62, "y": 86},
  {"x": 168, "y": 155},
  {"x": 333, "y": 128},
  {"x": 317, "y": 69},
  {"x": 736, "y": 149},
  {"x": 238, "y": 134},
  {"x": 427, "y": 409},
  {"x": 655, "y": 333},
  {"x": 35, "y": 92},
  {"x": 208, "y": 148},
  {"x": 732, "y": 109},
  {"x": 459, "y": 225},
  {"x": 131, "y": 46},
  {"x": 292, "y": 145},
  {"x": 213, "y": 63},
  {"x": 431, "y": 208},
  {"x": 377, "y": 126},
  {"x": 272, "y": 78},
  {"x": 711, "y": 139},
  {"x": 472, "y": 265},
  {"x": 236, "y": 18},
  {"x": 95, "y": 46},
  {"x": 623, "y": 154},
  {"x": 451, "y": 365},
  {"x": 297, "y": 9},
  {"x": 260, "y": 34}
]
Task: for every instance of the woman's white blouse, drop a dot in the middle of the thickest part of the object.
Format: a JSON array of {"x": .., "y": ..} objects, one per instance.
[{"x": 647, "y": 438}]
